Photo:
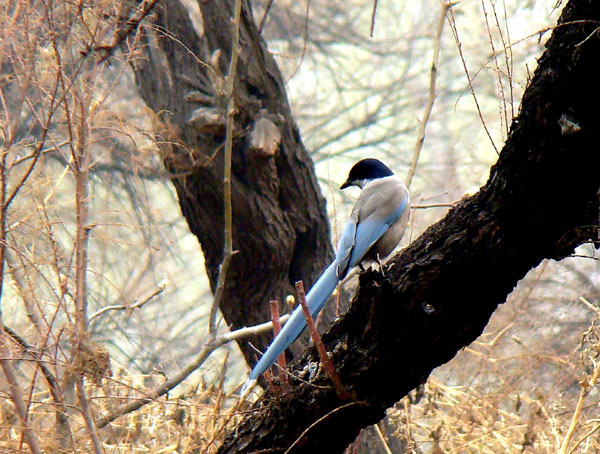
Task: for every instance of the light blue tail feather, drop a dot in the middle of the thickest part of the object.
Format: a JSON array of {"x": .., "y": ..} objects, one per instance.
[{"x": 316, "y": 298}]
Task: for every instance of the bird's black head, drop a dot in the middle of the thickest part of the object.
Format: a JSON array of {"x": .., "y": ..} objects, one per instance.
[{"x": 365, "y": 170}]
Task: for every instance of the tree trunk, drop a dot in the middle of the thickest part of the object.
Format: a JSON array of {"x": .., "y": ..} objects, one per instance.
[
  {"x": 540, "y": 202},
  {"x": 280, "y": 226}
]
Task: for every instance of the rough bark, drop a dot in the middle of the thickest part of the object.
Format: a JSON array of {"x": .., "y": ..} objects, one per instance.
[
  {"x": 540, "y": 202},
  {"x": 280, "y": 226}
]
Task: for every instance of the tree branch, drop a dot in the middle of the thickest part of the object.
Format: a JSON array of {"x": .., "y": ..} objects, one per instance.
[
  {"x": 228, "y": 243},
  {"x": 168, "y": 385},
  {"x": 130, "y": 307},
  {"x": 431, "y": 96}
]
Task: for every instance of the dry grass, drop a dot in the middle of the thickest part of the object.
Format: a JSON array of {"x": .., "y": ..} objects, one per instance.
[
  {"x": 528, "y": 403},
  {"x": 194, "y": 422}
]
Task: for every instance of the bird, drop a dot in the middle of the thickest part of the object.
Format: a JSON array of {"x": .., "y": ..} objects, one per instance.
[{"x": 376, "y": 226}]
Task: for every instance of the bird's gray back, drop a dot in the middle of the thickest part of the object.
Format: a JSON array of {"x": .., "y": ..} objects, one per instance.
[{"x": 381, "y": 200}]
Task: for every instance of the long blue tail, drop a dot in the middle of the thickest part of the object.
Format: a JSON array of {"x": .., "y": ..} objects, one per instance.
[{"x": 316, "y": 298}]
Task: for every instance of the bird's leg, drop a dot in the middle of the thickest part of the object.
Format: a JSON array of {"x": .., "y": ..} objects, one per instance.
[{"x": 362, "y": 268}]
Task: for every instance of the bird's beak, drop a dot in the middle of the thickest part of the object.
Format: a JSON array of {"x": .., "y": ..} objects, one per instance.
[{"x": 346, "y": 184}]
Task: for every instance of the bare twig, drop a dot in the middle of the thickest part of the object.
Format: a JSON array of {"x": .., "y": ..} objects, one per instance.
[
  {"x": 317, "y": 422},
  {"x": 504, "y": 109},
  {"x": 228, "y": 246},
  {"x": 314, "y": 334},
  {"x": 590, "y": 305},
  {"x": 248, "y": 331},
  {"x": 508, "y": 56},
  {"x": 373, "y": 18},
  {"x": 584, "y": 437},
  {"x": 469, "y": 79},
  {"x": 87, "y": 415},
  {"x": 304, "y": 41},
  {"x": 24, "y": 281},
  {"x": 7, "y": 199},
  {"x": 431, "y": 98},
  {"x": 433, "y": 205},
  {"x": 48, "y": 375},
  {"x": 264, "y": 18},
  {"x": 275, "y": 318},
  {"x": 130, "y": 307},
  {"x": 16, "y": 394},
  {"x": 125, "y": 29},
  {"x": 171, "y": 383},
  {"x": 382, "y": 439},
  {"x": 587, "y": 384}
]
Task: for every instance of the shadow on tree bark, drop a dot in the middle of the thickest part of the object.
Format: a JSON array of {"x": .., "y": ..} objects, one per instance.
[{"x": 540, "y": 202}]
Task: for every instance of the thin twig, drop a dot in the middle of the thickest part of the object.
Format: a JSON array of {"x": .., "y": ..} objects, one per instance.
[
  {"x": 130, "y": 307},
  {"x": 382, "y": 439},
  {"x": 318, "y": 421},
  {"x": 469, "y": 79},
  {"x": 586, "y": 386},
  {"x": 122, "y": 32},
  {"x": 373, "y": 18},
  {"x": 228, "y": 246},
  {"x": 508, "y": 58},
  {"x": 248, "y": 331},
  {"x": 16, "y": 394},
  {"x": 171, "y": 383},
  {"x": 431, "y": 98},
  {"x": 31, "y": 350},
  {"x": 275, "y": 318},
  {"x": 87, "y": 415},
  {"x": 7, "y": 200},
  {"x": 407, "y": 421},
  {"x": 6, "y": 362},
  {"x": 588, "y": 304},
  {"x": 314, "y": 334},
  {"x": 503, "y": 109},
  {"x": 264, "y": 18},
  {"x": 433, "y": 205},
  {"x": 584, "y": 437}
]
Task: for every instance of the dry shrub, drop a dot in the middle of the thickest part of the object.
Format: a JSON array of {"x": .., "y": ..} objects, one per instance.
[{"x": 194, "y": 422}]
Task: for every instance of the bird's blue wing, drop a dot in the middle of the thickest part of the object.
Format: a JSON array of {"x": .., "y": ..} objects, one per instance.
[
  {"x": 366, "y": 233},
  {"x": 345, "y": 247}
]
